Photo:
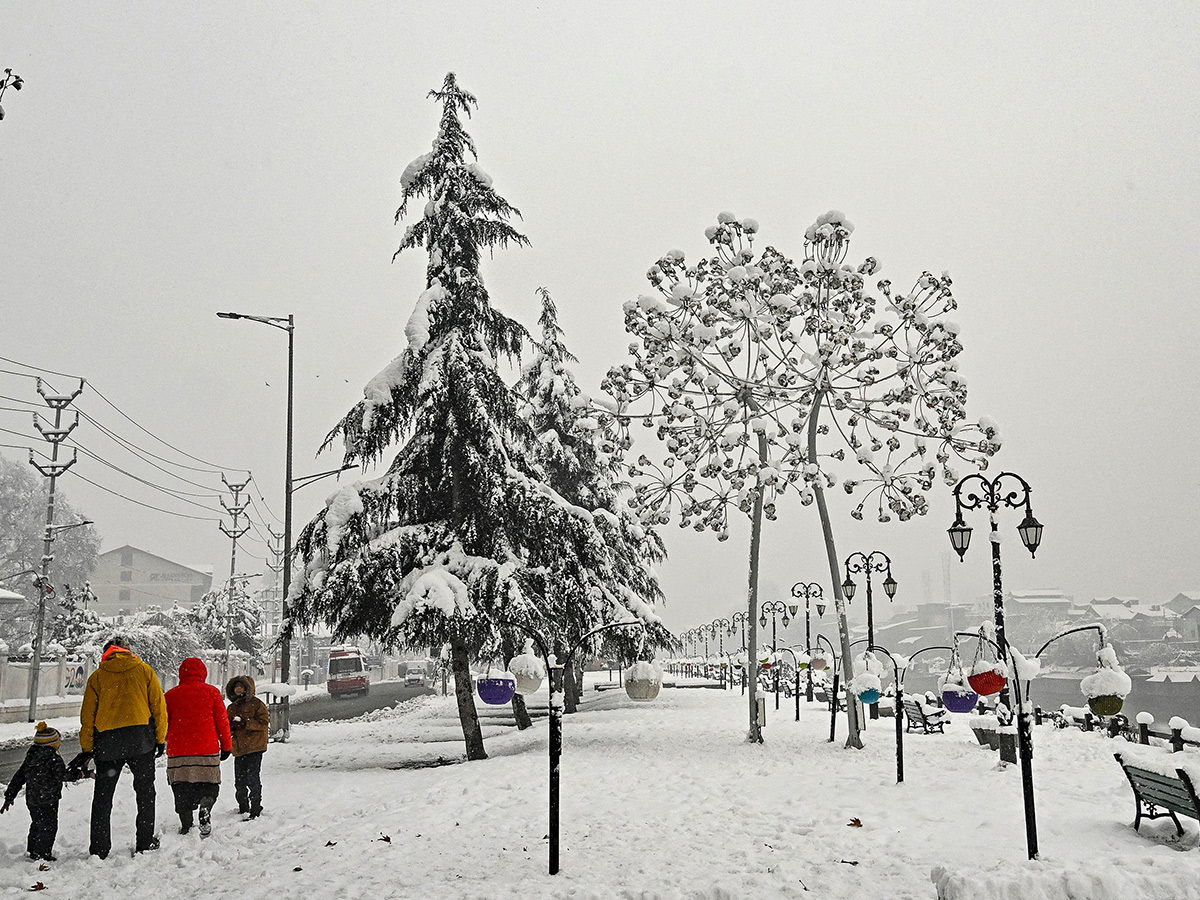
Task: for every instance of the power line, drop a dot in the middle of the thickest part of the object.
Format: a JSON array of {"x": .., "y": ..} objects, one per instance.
[
  {"x": 131, "y": 446},
  {"x": 177, "y": 495},
  {"x": 17, "y": 362},
  {"x": 146, "y": 505}
]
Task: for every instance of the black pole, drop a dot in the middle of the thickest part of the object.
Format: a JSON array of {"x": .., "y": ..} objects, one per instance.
[
  {"x": 1008, "y": 745},
  {"x": 775, "y": 653},
  {"x": 870, "y": 627},
  {"x": 808, "y": 694},
  {"x": 556, "y": 717},
  {"x": 797, "y": 691}
]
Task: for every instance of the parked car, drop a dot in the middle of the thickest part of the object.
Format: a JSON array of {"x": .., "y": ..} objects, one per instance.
[{"x": 347, "y": 673}]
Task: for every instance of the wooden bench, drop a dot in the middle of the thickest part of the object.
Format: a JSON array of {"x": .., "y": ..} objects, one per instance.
[
  {"x": 916, "y": 717},
  {"x": 1156, "y": 791}
]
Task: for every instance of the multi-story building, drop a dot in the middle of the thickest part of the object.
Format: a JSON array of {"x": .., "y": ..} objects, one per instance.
[{"x": 127, "y": 580}]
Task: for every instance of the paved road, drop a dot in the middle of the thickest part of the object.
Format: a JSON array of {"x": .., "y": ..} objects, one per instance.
[{"x": 381, "y": 696}]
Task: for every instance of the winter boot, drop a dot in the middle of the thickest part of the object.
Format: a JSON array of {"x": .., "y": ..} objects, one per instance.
[{"x": 205, "y": 821}]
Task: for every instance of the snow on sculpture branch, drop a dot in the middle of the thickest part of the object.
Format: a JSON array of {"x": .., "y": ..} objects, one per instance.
[{"x": 737, "y": 354}]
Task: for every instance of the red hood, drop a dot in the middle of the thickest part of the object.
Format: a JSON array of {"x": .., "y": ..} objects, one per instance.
[{"x": 193, "y": 669}]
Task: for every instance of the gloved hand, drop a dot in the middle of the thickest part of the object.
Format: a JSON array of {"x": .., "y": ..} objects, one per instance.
[
  {"x": 224, "y": 755},
  {"x": 159, "y": 750},
  {"x": 78, "y": 766},
  {"x": 6, "y": 806}
]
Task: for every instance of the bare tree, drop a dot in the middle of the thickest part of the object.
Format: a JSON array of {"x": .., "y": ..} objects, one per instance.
[{"x": 759, "y": 374}]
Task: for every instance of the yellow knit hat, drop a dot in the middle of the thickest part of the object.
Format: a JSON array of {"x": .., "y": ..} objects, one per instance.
[{"x": 47, "y": 736}]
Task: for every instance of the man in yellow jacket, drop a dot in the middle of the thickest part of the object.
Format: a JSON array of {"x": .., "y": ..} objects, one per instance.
[{"x": 123, "y": 722}]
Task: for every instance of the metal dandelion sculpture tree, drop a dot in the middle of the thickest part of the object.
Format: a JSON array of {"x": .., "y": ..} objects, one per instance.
[{"x": 760, "y": 375}]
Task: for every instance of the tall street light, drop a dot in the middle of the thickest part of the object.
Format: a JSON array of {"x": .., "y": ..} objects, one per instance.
[
  {"x": 807, "y": 592},
  {"x": 735, "y": 619},
  {"x": 45, "y": 590},
  {"x": 774, "y": 608},
  {"x": 875, "y": 561},
  {"x": 288, "y": 325},
  {"x": 719, "y": 627},
  {"x": 974, "y": 492}
]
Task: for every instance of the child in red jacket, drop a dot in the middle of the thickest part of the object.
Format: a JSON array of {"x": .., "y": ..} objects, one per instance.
[{"x": 198, "y": 740}]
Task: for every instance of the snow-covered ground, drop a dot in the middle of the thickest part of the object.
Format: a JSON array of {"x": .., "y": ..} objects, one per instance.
[{"x": 659, "y": 800}]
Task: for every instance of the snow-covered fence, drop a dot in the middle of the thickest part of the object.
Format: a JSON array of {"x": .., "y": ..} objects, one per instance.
[{"x": 1178, "y": 733}]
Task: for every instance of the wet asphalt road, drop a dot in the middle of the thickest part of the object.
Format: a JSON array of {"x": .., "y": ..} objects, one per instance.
[{"x": 381, "y": 696}]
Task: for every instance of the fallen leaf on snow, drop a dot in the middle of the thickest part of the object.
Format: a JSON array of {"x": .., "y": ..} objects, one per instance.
[
  {"x": 331, "y": 843},
  {"x": 298, "y": 869},
  {"x": 38, "y": 887},
  {"x": 43, "y": 868},
  {"x": 849, "y": 862},
  {"x": 384, "y": 838},
  {"x": 855, "y": 823}
]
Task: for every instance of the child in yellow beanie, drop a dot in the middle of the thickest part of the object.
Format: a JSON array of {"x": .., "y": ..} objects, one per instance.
[{"x": 42, "y": 775}]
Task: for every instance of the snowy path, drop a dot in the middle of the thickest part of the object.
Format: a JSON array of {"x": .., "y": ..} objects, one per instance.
[{"x": 660, "y": 800}]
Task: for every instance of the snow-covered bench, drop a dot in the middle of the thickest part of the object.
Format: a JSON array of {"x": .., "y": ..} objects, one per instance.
[
  {"x": 928, "y": 720},
  {"x": 1160, "y": 790}
]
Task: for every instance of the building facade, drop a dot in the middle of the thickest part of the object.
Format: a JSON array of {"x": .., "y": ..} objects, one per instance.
[{"x": 127, "y": 580}]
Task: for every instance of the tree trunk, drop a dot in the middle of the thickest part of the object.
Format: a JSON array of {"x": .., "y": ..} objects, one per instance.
[
  {"x": 467, "y": 715},
  {"x": 854, "y": 735},
  {"x": 579, "y": 684},
  {"x": 570, "y": 695},
  {"x": 754, "y": 735}
]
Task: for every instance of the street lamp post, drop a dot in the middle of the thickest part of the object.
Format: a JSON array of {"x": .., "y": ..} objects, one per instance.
[
  {"x": 288, "y": 325},
  {"x": 875, "y": 561},
  {"x": 719, "y": 627},
  {"x": 809, "y": 591},
  {"x": 994, "y": 493},
  {"x": 832, "y": 687},
  {"x": 981, "y": 492},
  {"x": 739, "y": 618},
  {"x": 774, "y": 608}
]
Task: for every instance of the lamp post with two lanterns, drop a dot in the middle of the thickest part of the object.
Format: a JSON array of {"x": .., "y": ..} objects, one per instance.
[
  {"x": 809, "y": 591},
  {"x": 773, "y": 608},
  {"x": 1010, "y": 490},
  {"x": 741, "y": 617},
  {"x": 875, "y": 561},
  {"x": 1013, "y": 491}
]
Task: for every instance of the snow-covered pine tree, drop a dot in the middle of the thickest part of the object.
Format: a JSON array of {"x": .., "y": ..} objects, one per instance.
[
  {"x": 437, "y": 550},
  {"x": 210, "y": 616},
  {"x": 579, "y": 459}
]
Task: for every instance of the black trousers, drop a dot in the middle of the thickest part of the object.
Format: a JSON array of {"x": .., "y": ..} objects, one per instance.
[
  {"x": 43, "y": 828},
  {"x": 247, "y": 782},
  {"x": 191, "y": 795},
  {"x": 107, "y": 773}
]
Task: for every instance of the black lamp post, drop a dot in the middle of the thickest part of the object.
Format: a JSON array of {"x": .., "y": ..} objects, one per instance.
[
  {"x": 718, "y": 628},
  {"x": 1013, "y": 491},
  {"x": 773, "y": 608},
  {"x": 555, "y": 668},
  {"x": 831, "y": 688},
  {"x": 734, "y": 620},
  {"x": 875, "y": 561},
  {"x": 809, "y": 591}
]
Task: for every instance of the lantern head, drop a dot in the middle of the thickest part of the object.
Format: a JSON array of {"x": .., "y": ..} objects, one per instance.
[
  {"x": 1031, "y": 533},
  {"x": 889, "y": 586},
  {"x": 848, "y": 588},
  {"x": 960, "y": 537},
  {"x": 820, "y": 609}
]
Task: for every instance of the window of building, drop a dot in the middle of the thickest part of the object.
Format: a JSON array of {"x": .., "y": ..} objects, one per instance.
[
  {"x": 123, "y": 597},
  {"x": 127, "y": 576},
  {"x": 127, "y": 557}
]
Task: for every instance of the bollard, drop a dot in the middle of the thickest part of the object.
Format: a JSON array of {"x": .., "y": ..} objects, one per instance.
[
  {"x": 1037, "y": 715},
  {"x": 1088, "y": 722},
  {"x": 1176, "y": 740}
]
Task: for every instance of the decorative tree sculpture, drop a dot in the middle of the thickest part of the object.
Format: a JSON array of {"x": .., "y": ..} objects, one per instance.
[{"x": 739, "y": 356}]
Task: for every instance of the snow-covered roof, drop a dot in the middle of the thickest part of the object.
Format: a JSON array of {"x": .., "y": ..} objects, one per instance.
[{"x": 1119, "y": 613}]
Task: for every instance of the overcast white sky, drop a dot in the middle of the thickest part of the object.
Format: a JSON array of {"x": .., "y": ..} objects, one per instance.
[{"x": 160, "y": 166}]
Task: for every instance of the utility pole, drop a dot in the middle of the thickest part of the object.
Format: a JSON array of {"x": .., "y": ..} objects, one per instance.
[
  {"x": 233, "y": 532},
  {"x": 55, "y": 436},
  {"x": 275, "y": 547}
]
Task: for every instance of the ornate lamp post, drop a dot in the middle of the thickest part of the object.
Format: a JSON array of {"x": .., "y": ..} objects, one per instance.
[
  {"x": 875, "y": 561},
  {"x": 1013, "y": 491},
  {"x": 741, "y": 617},
  {"x": 773, "y": 608},
  {"x": 809, "y": 591},
  {"x": 718, "y": 628}
]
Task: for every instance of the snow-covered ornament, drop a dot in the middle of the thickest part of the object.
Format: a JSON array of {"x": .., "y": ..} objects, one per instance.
[
  {"x": 496, "y": 689},
  {"x": 643, "y": 681},
  {"x": 867, "y": 687},
  {"x": 527, "y": 670},
  {"x": 1107, "y": 687},
  {"x": 957, "y": 696}
]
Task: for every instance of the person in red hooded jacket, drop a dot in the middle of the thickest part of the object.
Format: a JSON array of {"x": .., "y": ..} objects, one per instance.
[{"x": 198, "y": 740}]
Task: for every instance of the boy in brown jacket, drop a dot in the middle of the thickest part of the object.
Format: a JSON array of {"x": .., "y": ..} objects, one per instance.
[{"x": 250, "y": 723}]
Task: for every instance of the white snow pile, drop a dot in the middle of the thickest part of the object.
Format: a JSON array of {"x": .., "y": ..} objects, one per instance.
[
  {"x": 339, "y": 507},
  {"x": 663, "y": 800},
  {"x": 865, "y": 681},
  {"x": 433, "y": 587},
  {"x": 644, "y": 670},
  {"x": 527, "y": 665}
]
